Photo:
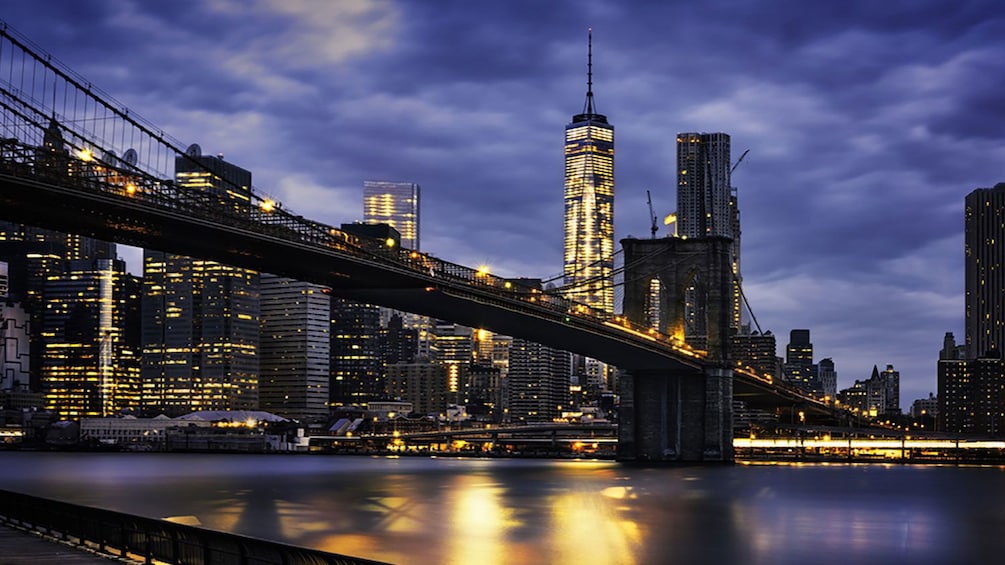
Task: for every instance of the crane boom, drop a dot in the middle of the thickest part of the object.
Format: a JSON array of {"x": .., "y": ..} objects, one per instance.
[
  {"x": 738, "y": 161},
  {"x": 652, "y": 214}
]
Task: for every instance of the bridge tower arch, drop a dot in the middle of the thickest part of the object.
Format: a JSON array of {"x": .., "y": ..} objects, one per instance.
[{"x": 676, "y": 415}]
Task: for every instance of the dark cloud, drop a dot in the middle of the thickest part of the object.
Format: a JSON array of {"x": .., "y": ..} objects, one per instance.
[{"x": 867, "y": 123}]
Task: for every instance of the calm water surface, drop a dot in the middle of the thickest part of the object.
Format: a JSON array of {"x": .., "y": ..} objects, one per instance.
[{"x": 416, "y": 510}]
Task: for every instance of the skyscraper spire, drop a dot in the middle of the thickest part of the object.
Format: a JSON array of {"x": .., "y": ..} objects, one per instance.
[{"x": 588, "y": 106}]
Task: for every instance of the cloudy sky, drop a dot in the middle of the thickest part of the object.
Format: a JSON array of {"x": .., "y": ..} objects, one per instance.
[{"x": 867, "y": 124}]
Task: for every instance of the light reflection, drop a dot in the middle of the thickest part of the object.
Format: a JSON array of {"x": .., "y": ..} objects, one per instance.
[
  {"x": 478, "y": 522},
  {"x": 584, "y": 525},
  {"x": 418, "y": 510}
]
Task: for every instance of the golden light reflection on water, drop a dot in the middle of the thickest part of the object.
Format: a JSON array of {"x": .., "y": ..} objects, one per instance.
[
  {"x": 585, "y": 523},
  {"x": 479, "y": 522}
]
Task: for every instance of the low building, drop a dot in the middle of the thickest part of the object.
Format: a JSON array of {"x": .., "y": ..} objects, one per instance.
[{"x": 130, "y": 432}]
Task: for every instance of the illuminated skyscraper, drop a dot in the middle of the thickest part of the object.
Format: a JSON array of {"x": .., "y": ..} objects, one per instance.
[
  {"x": 984, "y": 271},
  {"x": 88, "y": 367},
  {"x": 200, "y": 318},
  {"x": 589, "y": 204},
  {"x": 395, "y": 204}
]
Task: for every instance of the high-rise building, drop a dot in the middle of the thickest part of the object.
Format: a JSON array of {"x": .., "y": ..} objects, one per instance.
[
  {"x": 294, "y": 350},
  {"x": 454, "y": 349},
  {"x": 703, "y": 191},
  {"x": 799, "y": 369},
  {"x": 357, "y": 370},
  {"x": 891, "y": 383},
  {"x": 971, "y": 391},
  {"x": 200, "y": 318},
  {"x": 395, "y": 204},
  {"x": 88, "y": 369},
  {"x": 397, "y": 343},
  {"x": 33, "y": 255},
  {"x": 757, "y": 351},
  {"x": 984, "y": 272},
  {"x": 828, "y": 378},
  {"x": 538, "y": 382},
  {"x": 589, "y": 204},
  {"x": 706, "y": 202}
]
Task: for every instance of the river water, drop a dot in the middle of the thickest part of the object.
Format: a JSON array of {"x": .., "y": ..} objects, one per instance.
[{"x": 495, "y": 511}]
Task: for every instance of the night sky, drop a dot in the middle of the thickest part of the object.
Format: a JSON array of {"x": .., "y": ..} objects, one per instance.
[{"x": 867, "y": 124}]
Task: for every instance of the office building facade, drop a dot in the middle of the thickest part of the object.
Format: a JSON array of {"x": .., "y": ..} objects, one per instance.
[
  {"x": 294, "y": 348},
  {"x": 707, "y": 204},
  {"x": 984, "y": 271},
  {"x": 538, "y": 382},
  {"x": 395, "y": 204},
  {"x": 357, "y": 369},
  {"x": 89, "y": 368},
  {"x": 200, "y": 318}
]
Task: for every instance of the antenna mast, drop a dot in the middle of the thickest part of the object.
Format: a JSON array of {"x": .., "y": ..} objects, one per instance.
[{"x": 588, "y": 108}]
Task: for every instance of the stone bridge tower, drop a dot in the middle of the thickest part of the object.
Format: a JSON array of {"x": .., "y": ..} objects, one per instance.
[{"x": 679, "y": 415}]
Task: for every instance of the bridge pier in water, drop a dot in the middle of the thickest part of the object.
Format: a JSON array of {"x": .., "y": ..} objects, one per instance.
[{"x": 676, "y": 417}]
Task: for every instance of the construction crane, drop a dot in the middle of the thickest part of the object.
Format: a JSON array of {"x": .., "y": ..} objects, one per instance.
[
  {"x": 738, "y": 161},
  {"x": 652, "y": 214}
]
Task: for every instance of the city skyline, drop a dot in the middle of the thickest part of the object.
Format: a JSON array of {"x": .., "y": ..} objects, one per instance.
[{"x": 862, "y": 144}]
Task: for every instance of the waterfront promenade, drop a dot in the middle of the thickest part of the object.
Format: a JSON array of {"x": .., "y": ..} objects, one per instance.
[{"x": 18, "y": 547}]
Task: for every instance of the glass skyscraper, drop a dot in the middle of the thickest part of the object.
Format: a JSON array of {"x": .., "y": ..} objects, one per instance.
[
  {"x": 395, "y": 204},
  {"x": 589, "y": 205}
]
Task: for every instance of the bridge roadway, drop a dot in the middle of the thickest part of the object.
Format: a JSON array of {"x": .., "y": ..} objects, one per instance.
[{"x": 130, "y": 208}]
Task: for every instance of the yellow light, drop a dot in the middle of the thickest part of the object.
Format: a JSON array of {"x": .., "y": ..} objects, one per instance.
[
  {"x": 268, "y": 205},
  {"x": 671, "y": 218},
  {"x": 389, "y": 242},
  {"x": 85, "y": 154},
  {"x": 482, "y": 270},
  {"x": 131, "y": 188}
]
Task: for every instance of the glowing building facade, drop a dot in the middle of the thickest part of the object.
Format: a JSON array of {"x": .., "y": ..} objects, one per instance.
[
  {"x": 395, "y": 204},
  {"x": 200, "y": 318},
  {"x": 89, "y": 366},
  {"x": 588, "y": 267}
]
